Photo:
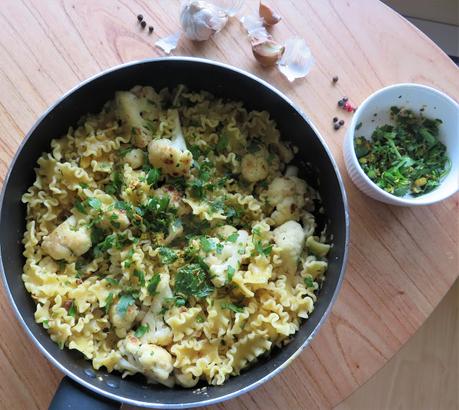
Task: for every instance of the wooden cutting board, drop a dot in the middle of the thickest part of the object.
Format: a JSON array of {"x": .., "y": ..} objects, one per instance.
[{"x": 402, "y": 260}]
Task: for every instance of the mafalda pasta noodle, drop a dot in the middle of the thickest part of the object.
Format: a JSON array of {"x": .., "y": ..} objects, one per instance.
[{"x": 167, "y": 235}]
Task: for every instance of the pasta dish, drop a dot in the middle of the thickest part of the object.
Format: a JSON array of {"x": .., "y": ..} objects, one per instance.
[{"x": 169, "y": 235}]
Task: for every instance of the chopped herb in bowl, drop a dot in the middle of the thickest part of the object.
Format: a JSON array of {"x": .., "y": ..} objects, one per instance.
[{"x": 405, "y": 157}]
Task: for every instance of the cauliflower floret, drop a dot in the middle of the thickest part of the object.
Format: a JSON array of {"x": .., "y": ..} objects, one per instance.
[
  {"x": 254, "y": 167},
  {"x": 135, "y": 158},
  {"x": 175, "y": 198},
  {"x": 228, "y": 256},
  {"x": 287, "y": 195},
  {"x": 158, "y": 332},
  {"x": 153, "y": 361},
  {"x": 225, "y": 230},
  {"x": 130, "y": 108},
  {"x": 289, "y": 238},
  {"x": 171, "y": 156},
  {"x": 123, "y": 322},
  {"x": 185, "y": 379},
  {"x": 67, "y": 241}
]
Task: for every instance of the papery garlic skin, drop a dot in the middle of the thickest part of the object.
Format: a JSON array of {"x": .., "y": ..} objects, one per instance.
[
  {"x": 169, "y": 43},
  {"x": 297, "y": 60},
  {"x": 255, "y": 28},
  {"x": 200, "y": 20}
]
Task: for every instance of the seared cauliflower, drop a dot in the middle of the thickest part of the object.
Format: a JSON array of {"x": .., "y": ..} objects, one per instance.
[
  {"x": 228, "y": 257},
  {"x": 123, "y": 321},
  {"x": 254, "y": 167},
  {"x": 171, "y": 155},
  {"x": 135, "y": 158},
  {"x": 289, "y": 239},
  {"x": 287, "y": 196},
  {"x": 68, "y": 241},
  {"x": 153, "y": 361},
  {"x": 158, "y": 332}
]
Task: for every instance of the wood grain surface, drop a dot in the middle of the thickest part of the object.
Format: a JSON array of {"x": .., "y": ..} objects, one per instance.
[{"x": 402, "y": 260}]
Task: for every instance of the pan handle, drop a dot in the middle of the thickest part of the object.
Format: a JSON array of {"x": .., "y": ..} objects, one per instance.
[{"x": 71, "y": 396}]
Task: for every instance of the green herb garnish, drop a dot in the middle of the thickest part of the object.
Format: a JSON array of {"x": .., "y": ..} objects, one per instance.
[
  {"x": 124, "y": 303},
  {"x": 141, "y": 330},
  {"x": 232, "y": 307},
  {"x": 167, "y": 255},
  {"x": 153, "y": 284},
  {"x": 140, "y": 276},
  {"x": 404, "y": 158},
  {"x": 94, "y": 203},
  {"x": 72, "y": 309},
  {"x": 233, "y": 237},
  {"x": 309, "y": 282},
  {"x": 191, "y": 280},
  {"x": 108, "y": 302}
]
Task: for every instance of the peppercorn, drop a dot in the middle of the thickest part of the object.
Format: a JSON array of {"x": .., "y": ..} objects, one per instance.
[
  {"x": 345, "y": 99},
  {"x": 143, "y": 23},
  {"x": 335, "y": 79},
  {"x": 340, "y": 103},
  {"x": 336, "y": 126},
  {"x": 139, "y": 17},
  {"x": 335, "y": 119},
  {"x": 150, "y": 29},
  {"x": 341, "y": 122}
]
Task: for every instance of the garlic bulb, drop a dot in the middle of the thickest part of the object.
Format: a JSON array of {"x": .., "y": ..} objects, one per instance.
[
  {"x": 297, "y": 60},
  {"x": 201, "y": 19}
]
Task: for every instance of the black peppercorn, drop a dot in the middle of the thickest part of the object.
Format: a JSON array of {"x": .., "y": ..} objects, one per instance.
[
  {"x": 345, "y": 99},
  {"x": 340, "y": 103},
  {"x": 336, "y": 126},
  {"x": 139, "y": 17},
  {"x": 150, "y": 29},
  {"x": 335, "y": 119},
  {"x": 335, "y": 79},
  {"x": 341, "y": 122},
  {"x": 143, "y": 23}
]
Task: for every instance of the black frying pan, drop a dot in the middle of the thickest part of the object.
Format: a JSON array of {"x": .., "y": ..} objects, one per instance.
[{"x": 84, "y": 388}]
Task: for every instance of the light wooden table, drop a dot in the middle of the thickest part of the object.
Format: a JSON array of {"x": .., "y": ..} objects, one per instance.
[{"x": 402, "y": 261}]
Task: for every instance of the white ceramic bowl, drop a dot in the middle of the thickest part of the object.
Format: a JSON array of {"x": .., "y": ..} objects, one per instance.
[{"x": 415, "y": 97}]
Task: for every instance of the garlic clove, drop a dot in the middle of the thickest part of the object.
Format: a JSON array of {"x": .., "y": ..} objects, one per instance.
[
  {"x": 255, "y": 28},
  {"x": 169, "y": 43},
  {"x": 267, "y": 52},
  {"x": 200, "y": 20},
  {"x": 297, "y": 59},
  {"x": 269, "y": 16}
]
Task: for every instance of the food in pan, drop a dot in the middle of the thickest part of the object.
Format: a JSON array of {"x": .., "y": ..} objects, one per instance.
[{"x": 169, "y": 236}]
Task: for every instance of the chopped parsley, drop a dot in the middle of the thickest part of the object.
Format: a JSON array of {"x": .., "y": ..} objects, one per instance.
[
  {"x": 167, "y": 255},
  {"x": 200, "y": 319},
  {"x": 263, "y": 250},
  {"x": 222, "y": 143},
  {"x": 153, "y": 176},
  {"x": 128, "y": 261},
  {"x": 72, "y": 309},
  {"x": 79, "y": 205},
  {"x": 309, "y": 282},
  {"x": 116, "y": 184},
  {"x": 230, "y": 271},
  {"x": 232, "y": 307},
  {"x": 153, "y": 284},
  {"x": 94, "y": 203},
  {"x": 113, "y": 282},
  {"x": 104, "y": 245},
  {"x": 140, "y": 276},
  {"x": 108, "y": 302},
  {"x": 125, "y": 301},
  {"x": 233, "y": 237},
  {"x": 191, "y": 280},
  {"x": 141, "y": 330}
]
